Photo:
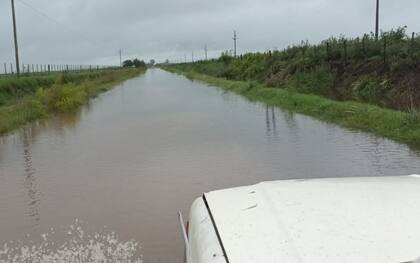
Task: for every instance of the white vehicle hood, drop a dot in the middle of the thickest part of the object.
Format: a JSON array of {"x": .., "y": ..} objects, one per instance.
[{"x": 347, "y": 220}]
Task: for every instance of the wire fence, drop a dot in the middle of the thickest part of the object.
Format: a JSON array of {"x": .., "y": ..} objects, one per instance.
[{"x": 9, "y": 69}]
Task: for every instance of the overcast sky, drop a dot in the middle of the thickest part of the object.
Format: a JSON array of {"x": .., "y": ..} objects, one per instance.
[{"x": 92, "y": 31}]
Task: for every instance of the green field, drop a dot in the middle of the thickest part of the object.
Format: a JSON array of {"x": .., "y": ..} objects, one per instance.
[{"x": 29, "y": 98}]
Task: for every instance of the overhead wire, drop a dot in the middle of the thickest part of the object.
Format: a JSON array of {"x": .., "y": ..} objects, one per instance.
[{"x": 64, "y": 26}]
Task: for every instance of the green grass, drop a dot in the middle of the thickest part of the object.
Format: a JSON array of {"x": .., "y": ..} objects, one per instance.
[
  {"x": 26, "y": 99},
  {"x": 381, "y": 72},
  {"x": 400, "y": 126},
  {"x": 13, "y": 88}
]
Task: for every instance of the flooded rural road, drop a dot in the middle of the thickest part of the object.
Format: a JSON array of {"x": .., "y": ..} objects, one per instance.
[{"x": 139, "y": 153}]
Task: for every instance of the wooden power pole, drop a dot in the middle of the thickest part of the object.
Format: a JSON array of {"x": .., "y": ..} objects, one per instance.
[
  {"x": 377, "y": 21},
  {"x": 15, "y": 37},
  {"x": 235, "y": 38}
]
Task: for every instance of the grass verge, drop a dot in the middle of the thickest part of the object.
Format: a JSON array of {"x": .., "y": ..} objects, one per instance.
[
  {"x": 400, "y": 126},
  {"x": 27, "y": 99}
]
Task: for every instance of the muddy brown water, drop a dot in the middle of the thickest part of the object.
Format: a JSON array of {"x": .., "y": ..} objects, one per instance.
[{"x": 139, "y": 153}]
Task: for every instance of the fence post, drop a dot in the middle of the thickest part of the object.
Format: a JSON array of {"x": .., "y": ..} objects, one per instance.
[
  {"x": 364, "y": 46},
  {"x": 49, "y": 68},
  {"x": 384, "y": 50},
  {"x": 412, "y": 45},
  {"x": 5, "y": 69},
  {"x": 345, "y": 51},
  {"x": 328, "y": 51}
]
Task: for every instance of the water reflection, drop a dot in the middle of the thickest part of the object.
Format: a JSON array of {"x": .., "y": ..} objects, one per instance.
[
  {"x": 29, "y": 178},
  {"x": 270, "y": 121},
  {"x": 290, "y": 120}
]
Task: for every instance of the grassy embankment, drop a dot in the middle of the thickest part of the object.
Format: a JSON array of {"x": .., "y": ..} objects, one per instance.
[
  {"x": 26, "y": 99},
  {"x": 358, "y": 87}
]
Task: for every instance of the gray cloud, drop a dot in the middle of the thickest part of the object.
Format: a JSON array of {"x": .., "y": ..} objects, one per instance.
[{"x": 90, "y": 32}]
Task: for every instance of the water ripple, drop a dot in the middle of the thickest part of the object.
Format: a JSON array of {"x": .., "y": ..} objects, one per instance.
[{"x": 77, "y": 247}]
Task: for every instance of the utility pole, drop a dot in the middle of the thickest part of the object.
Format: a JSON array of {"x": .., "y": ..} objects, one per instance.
[
  {"x": 205, "y": 51},
  {"x": 120, "y": 51},
  {"x": 377, "y": 20},
  {"x": 15, "y": 37},
  {"x": 192, "y": 56},
  {"x": 235, "y": 38}
]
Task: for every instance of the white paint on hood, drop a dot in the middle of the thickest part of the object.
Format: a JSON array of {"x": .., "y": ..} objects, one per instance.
[{"x": 347, "y": 220}]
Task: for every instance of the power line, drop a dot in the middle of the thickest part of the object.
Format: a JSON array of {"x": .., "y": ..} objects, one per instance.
[{"x": 69, "y": 29}]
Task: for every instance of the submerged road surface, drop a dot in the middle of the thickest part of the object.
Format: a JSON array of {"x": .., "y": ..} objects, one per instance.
[{"x": 139, "y": 153}]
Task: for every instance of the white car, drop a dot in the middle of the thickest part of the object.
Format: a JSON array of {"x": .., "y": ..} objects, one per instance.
[{"x": 346, "y": 220}]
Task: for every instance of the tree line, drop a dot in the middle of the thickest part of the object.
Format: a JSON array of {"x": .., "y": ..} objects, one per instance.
[{"x": 136, "y": 63}]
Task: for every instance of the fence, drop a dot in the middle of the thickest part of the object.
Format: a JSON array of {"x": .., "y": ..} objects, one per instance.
[
  {"x": 388, "y": 47},
  {"x": 9, "y": 69},
  {"x": 392, "y": 49}
]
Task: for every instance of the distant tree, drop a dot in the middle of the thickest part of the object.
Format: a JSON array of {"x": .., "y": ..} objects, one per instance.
[
  {"x": 167, "y": 61},
  {"x": 128, "y": 63},
  {"x": 152, "y": 62},
  {"x": 139, "y": 63}
]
